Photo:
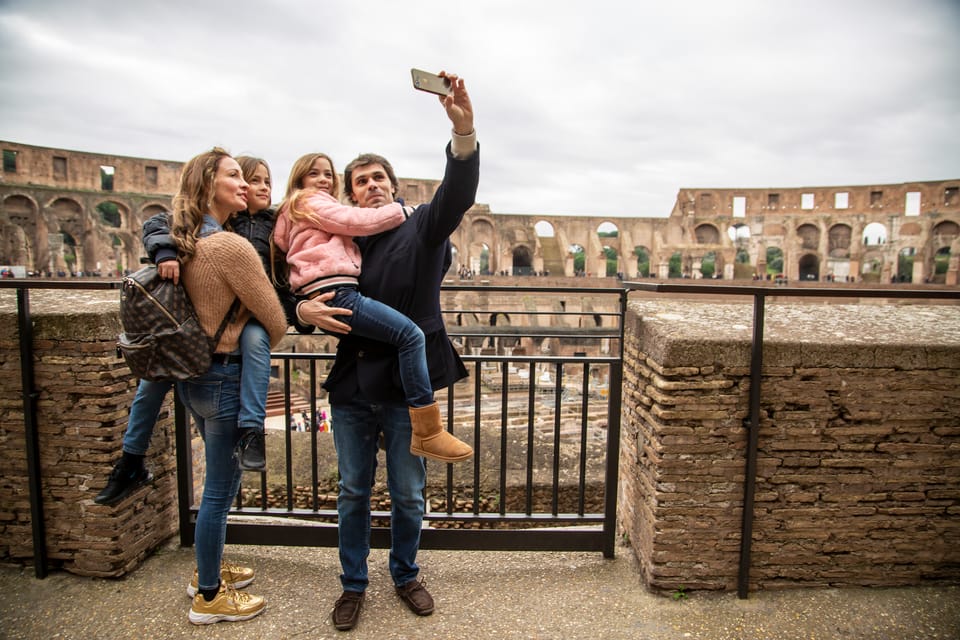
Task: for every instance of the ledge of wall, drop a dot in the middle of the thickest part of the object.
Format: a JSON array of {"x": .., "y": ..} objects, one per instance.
[
  {"x": 84, "y": 396},
  {"x": 858, "y": 479}
]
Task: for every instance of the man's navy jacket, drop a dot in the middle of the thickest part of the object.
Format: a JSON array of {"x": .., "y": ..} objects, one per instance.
[{"x": 404, "y": 268}]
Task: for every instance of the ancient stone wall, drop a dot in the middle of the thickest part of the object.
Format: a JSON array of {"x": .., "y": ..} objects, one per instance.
[
  {"x": 72, "y": 211},
  {"x": 84, "y": 397},
  {"x": 858, "y": 479}
]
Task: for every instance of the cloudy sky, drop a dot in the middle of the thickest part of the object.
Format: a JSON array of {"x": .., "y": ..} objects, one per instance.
[{"x": 591, "y": 108}]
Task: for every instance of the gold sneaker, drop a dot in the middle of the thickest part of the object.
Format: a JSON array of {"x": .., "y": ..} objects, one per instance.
[
  {"x": 231, "y": 574},
  {"x": 230, "y": 605}
]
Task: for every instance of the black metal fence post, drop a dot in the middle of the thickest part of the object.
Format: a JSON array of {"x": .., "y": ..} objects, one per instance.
[{"x": 31, "y": 435}]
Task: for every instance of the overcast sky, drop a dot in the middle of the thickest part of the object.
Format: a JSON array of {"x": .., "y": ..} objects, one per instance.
[{"x": 589, "y": 108}]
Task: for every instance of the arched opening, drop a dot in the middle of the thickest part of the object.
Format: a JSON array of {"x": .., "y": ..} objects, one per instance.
[
  {"x": 708, "y": 265},
  {"x": 905, "y": 264},
  {"x": 643, "y": 261},
  {"x": 17, "y": 233},
  {"x": 579, "y": 259},
  {"x": 839, "y": 241},
  {"x": 941, "y": 262},
  {"x": 612, "y": 261},
  {"x": 809, "y": 267},
  {"x": 544, "y": 229},
  {"x": 774, "y": 262},
  {"x": 742, "y": 268},
  {"x": 945, "y": 233},
  {"x": 871, "y": 266},
  {"x": 838, "y": 266},
  {"x": 522, "y": 261},
  {"x": 675, "y": 265},
  {"x": 63, "y": 254},
  {"x": 608, "y": 230},
  {"x": 483, "y": 237},
  {"x": 809, "y": 237},
  {"x": 707, "y": 234},
  {"x": 874, "y": 234},
  {"x": 109, "y": 214}
]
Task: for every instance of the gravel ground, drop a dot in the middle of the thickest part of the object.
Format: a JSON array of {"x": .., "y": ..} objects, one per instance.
[{"x": 478, "y": 595}]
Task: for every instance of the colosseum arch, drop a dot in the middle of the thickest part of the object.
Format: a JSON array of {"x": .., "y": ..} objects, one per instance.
[
  {"x": 874, "y": 234},
  {"x": 945, "y": 238},
  {"x": 19, "y": 228},
  {"x": 839, "y": 238},
  {"x": 808, "y": 236},
  {"x": 642, "y": 253},
  {"x": 809, "y": 267},
  {"x": 522, "y": 264},
  {"x": 479, "y": 254},
  {"x": 744, "y": 254},
  {"x": 608, "y": 258},
  {"x": 945, "y": 233},
  {"x": 905, "y": 264},
  {"x": 707, "y": 234},
  {"x": 119, "y": 245},
  {"x": 774, "y": 257},
  {"x": 66, "y": 217}
]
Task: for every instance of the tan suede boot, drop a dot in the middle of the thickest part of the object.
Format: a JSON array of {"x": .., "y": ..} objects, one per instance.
[{"x": 431, "y": 441}]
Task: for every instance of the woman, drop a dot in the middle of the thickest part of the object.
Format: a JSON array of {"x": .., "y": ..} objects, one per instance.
[{"x": 218, "y": 268}]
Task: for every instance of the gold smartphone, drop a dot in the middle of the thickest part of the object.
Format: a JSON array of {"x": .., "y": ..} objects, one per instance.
[{"x": 430, "y": 82}]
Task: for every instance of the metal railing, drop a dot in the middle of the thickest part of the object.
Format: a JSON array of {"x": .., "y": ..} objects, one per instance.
[
  {"x": 560, "y": 402},
  {"x": 525, "y": 526}
]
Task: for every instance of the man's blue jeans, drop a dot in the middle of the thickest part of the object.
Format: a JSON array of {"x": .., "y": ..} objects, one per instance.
[
  {"x": 255, "y": 375},
  {"x": 355, "y": 430},
  {"x": 143, "y": 415},
  {"x": 375, "y": 320},
  {"x": 214, "y": 401}
]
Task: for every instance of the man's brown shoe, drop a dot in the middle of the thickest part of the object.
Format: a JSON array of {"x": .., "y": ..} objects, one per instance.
[
  {"x": 346, "y": 611},
  {"x": 415, "y": 594}
]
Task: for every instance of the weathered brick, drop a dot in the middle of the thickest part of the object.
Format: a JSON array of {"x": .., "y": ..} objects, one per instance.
[
  {"x": 855, "y": 486},
  {"x": 84, "y": 399}
]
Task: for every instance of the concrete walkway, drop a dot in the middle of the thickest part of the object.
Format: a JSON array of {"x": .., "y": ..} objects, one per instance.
[{"x": 479, "y": 595}]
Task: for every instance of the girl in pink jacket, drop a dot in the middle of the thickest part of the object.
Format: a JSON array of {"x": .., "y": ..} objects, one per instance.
[{"x": 316, "y": 232}]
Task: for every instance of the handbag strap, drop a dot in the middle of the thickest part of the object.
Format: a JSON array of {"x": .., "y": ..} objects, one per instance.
[{"x": 231, "y": 312}]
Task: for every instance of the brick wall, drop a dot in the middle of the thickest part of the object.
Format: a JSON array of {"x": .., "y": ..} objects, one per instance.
[
  {"x": 858, "y": 479},
  {"x": 84, "y": 398}
]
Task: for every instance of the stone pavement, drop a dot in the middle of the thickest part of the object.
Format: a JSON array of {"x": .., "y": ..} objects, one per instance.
[{"x": 479, "y": 595}]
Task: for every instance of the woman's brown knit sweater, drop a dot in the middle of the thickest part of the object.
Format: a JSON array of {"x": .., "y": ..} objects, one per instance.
[{"x": 226, "y": 266}]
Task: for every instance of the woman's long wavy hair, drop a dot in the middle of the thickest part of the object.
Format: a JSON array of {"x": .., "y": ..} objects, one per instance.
[{"x": 193, "y": 199}]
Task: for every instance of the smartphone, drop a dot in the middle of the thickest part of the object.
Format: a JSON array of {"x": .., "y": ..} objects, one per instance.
[{"x": 430, "y": 82}]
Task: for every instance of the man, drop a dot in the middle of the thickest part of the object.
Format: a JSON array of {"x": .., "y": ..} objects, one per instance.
[{"x": 403, "y": 268}]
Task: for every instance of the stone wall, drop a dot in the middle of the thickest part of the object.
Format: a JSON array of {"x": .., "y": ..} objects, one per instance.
[
  {"x": 858, "y": 479},
  {"x": 84, "y": 398}
]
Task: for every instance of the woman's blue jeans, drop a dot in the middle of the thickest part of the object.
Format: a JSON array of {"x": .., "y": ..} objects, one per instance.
[
  {"x": 377, "y": 321},
  {"x": 214, "y": 401},
  {"x": 355, "y": 430},
  {"x": 254, "y": 376}
]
